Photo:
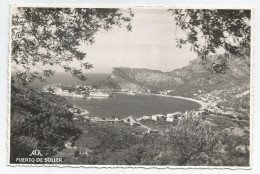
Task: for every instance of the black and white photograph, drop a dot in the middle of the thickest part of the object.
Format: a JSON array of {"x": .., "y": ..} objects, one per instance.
[{"x": 130, "y": 87}]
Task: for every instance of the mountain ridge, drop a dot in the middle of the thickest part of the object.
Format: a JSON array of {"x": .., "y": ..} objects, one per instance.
[{"x": 183, "y": 81}]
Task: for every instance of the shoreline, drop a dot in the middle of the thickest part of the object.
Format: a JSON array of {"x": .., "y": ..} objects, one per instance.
[{"x": 201, "y": 103}]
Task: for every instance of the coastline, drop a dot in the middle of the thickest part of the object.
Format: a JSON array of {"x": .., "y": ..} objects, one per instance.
[{"x": 203, "y": 104}]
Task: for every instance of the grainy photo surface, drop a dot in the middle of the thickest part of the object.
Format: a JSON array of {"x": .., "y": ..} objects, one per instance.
[{"x": 130, "y": 87}]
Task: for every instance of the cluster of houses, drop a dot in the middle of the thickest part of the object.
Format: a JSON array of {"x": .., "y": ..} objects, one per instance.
[
  {"x": 148, "y": 91},
  {"x": 79, "y": 91},
  {"x": 170, "y": 117},
  {"x": 82, "y": 116},
  {"x": 213, "y": 98},
  {"x": 81, "y": 151}
]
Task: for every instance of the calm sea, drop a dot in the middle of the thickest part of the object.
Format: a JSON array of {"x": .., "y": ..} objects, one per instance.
[
  {"x": 136, "y": 105},
  {"x": 67, "y": 79},
  {"x": 121, "y": 105}
]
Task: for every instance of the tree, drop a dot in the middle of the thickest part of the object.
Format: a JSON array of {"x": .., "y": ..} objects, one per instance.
[
  {"x": 208, "y": 30},
  {"x": 51, "y": 36},
  {"x": 192, "y": 136}
]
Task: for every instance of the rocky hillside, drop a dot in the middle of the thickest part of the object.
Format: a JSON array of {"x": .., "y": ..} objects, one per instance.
[
  {"x": 140, "y": 79},
  {"x": 184, "y": 81}
]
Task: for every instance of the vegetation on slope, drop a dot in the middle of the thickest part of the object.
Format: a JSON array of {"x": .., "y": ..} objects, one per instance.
[
  {"x": 191, "y": 142},
  {"x": 39, "y": 121}
]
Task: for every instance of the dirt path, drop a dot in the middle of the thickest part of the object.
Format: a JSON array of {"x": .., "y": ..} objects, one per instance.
[{"x": 146, "y": 127}]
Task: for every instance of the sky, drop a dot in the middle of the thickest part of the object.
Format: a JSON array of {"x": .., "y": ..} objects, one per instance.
[{"x": 150, "y": 45}]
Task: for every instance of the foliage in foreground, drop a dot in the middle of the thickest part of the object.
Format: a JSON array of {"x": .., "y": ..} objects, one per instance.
[
  {"x": 207, "y": 30},
  {"x": 192, "y": 142},
  {"x": 190, "y": 138},
  {"x": 52, "y": 36},
  {"x": 39, "y": 121}
]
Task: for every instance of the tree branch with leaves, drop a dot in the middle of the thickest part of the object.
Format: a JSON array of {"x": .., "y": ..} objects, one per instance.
[
  {"x": 208, "y": 30},
  {"x": 51, "y": 36}
]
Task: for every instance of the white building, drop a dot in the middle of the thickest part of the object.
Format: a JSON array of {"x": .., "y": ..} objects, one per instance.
[
  {"x": 155, "y": 117},
  {"x": 68, "y": 145},
  {"x": 146, "y": 117},
  {"x": 86, "y": 118},
  {"x": 169, "y": 118},
  {"x": 93, "y": 119},
  {"x": 172, "y": 116}
]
